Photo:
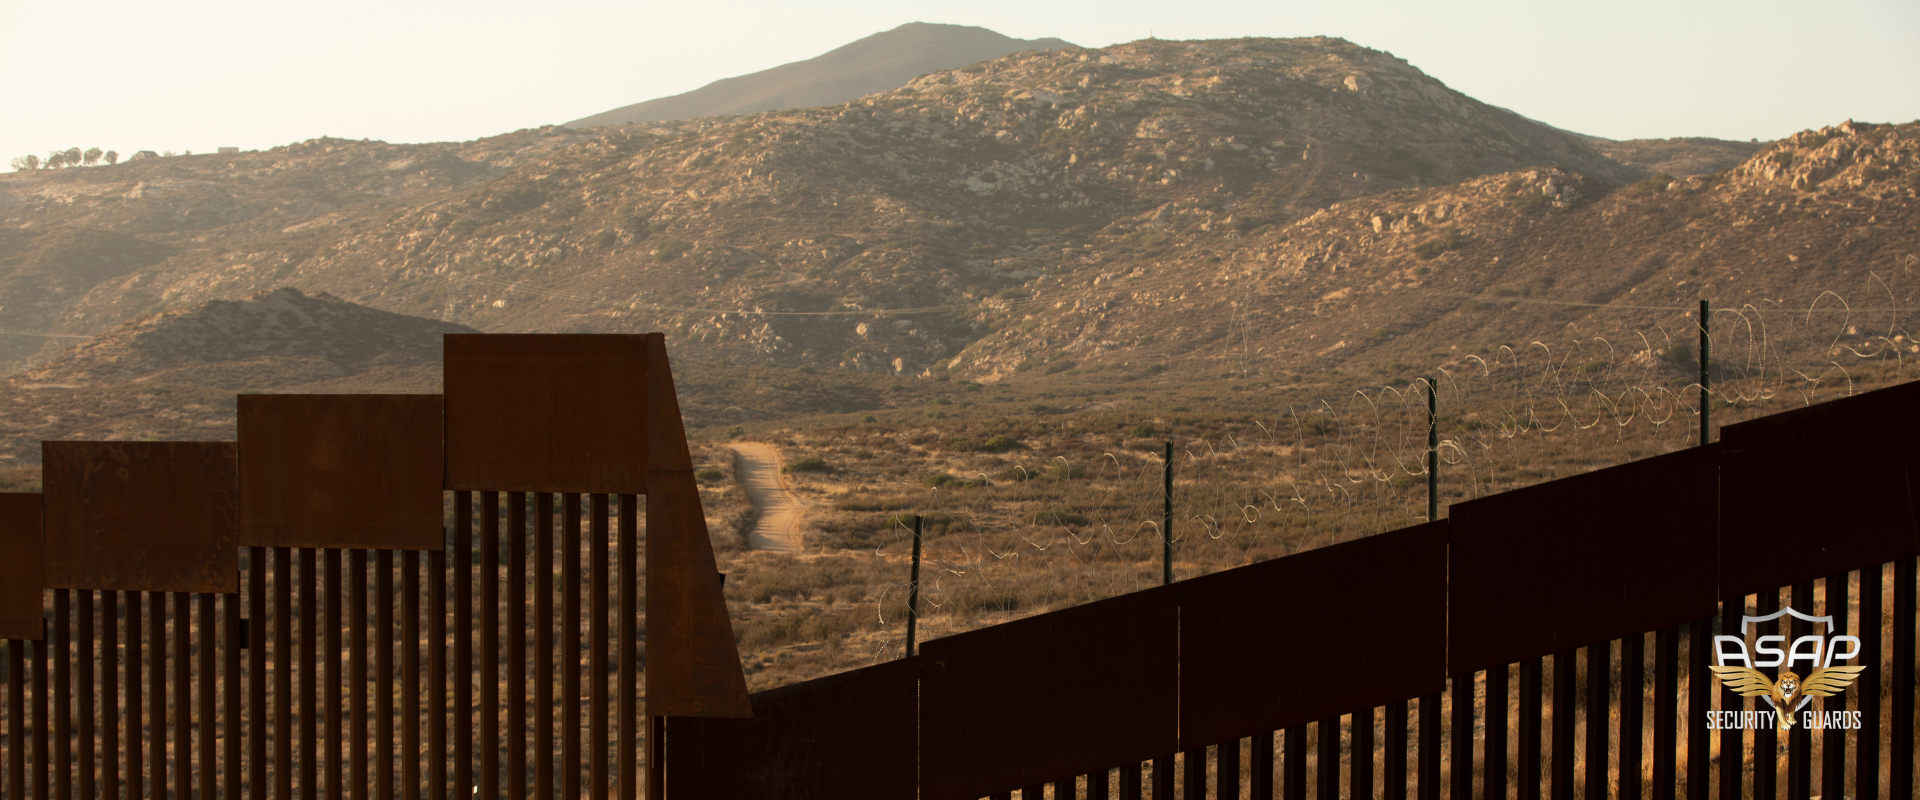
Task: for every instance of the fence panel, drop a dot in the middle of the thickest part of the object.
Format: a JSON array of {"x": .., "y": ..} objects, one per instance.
[
  {"x": 1061, "y": 694},
  {"x": 1363, "y": 623},
  {"x": 843, "y": 737}
]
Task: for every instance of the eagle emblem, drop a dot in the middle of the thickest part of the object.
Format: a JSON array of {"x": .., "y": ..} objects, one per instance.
[{"x": 1789, "y": 690}]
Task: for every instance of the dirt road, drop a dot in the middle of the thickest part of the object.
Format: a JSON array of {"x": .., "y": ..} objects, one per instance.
[{"x": 778, "y": 530}]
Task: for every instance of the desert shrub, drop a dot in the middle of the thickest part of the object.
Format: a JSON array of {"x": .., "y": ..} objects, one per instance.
[
  {"x": 809, "y": 464},
  {"x": 1002, "y": 444},
  {"x": 709, "y": 474},
  {"x": 671, "y": 249},
  {"x": 1066, "y": 470},
  {"x": 1060, "y": 366},
  {"x": 1051, "y": 517},
  {"x": 1144, "y": 430},
  {"x": 1447, "y": 241}
]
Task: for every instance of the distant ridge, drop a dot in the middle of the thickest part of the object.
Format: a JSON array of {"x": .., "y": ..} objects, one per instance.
[{"x": 878, "y": 63}]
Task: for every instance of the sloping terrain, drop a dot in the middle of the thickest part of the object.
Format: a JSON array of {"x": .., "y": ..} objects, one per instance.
[
  {"x": 65, "y": 232},
  {"x": 1682, "y": 156},
  {"x": 965, "y": 191},
  {"x": 878, "y": 63},
  {"x": 174, "y": 375}
]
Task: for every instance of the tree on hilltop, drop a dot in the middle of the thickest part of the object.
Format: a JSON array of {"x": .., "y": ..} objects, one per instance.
[
  {"x": 56, "y": 159},
  {"x": 74, "y": 156},
  {"x": 91, "y": 157},
  {"x": 27, "y": 163},
  {"x": 113, "y": 157}
]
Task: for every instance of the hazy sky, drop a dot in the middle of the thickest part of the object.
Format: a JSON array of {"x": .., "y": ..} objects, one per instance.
[{"x": 197, "y": 74}]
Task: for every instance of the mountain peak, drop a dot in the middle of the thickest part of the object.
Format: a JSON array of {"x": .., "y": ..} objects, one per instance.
[{"x": 877, "y": 63}]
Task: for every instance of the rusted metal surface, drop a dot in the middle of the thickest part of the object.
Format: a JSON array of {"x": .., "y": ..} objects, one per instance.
[
  {"x": 1788, "y": 481},
  {"x": 991, "y": 725},
  {"x": 546, "y": 412},
  {"x": 843, "y": 737},
  {"x": 142, "y": 516},
  {"x": 1237, "y": 682},
  {"x": 22, "y": 569},
  {"x": 342, "y": 471},
  {"x": 693, "y": 665},
  {"x": 1559, "y": 565}
]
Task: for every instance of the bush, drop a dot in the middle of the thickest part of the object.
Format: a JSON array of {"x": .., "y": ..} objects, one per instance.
[
  {"x": 671, "y": 249},
  {"x": 1058, "y": 518},
  {"x": 1432, "y": 248},
  {"x": 811, "y": 464},
  {"x": 1002, "y": 444},
  {"x": 1066, "y": 470},
  {"x": 1144, "y": 430},
  {"x": 1060, "y": 366},
  {"x": 736, "y": 432},
  {"x": 709, "y": 474}
]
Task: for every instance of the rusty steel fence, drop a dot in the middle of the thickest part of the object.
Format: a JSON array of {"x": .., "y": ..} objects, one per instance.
[
  {"x": 1552, "y": 641},
  {"x": 246, "y": 619},
  {"x": 294, "y": 615}
]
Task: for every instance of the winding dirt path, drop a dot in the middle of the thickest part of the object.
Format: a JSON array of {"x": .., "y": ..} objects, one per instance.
[{"x": 778, "y": 529}]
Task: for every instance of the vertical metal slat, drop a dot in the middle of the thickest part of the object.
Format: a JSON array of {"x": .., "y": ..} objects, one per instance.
[
  {"x": 1393, "y": 773},
  {"x": 1598, "y": 719},
  {"x": 597, "y": 651},
  {"x": 1800, "y": 738},
  {"x": 16, "y": 719},
  {"x": 1527, "y": 769},
  {"x": 410, "y": 688},
  {"x": 628, "y": 713},
  {"x": 570, "y": 647},
  {"x": 357, "y": 740},
  {"x": 436, "y": 688},
  {"x": 209, "y": 639},
  {"x": 83, "y": 679},
  {"x": 461, "y": 781},
  {"x": 1360, "y": 758},
  {"x": 383, "y": 675},
  {"x": 134, "y": 709},
  {"x": 1560, "y": 786},
  {"x": 1900, "y": 718},
  {"x": 336, "y": 739},
  {"x": 1293, "y": 766},
  {"x": 1833, "y": 743},
  {"x": 1632, "y": 714},
  {"x": 283, "y": 666},
  {"x": 517, "y": 644},
  {"x": 309, "y": 681},
  {"x": 1494, "y": 743},
  {"x": 1460, "y": 754},
  {"x": 63, "y": 694},
  {"x": 1666, "y": 713},
  {"x": 543, "y": 648},
  {"x": 182, "y": 696},
  {"x": 489, "y": 571}
]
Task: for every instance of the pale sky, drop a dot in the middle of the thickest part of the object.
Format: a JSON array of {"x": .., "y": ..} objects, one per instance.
[{"x": 198, "y": 74}]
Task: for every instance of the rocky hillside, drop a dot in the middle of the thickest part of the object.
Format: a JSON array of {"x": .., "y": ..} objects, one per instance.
[
  {"x": 174, "y": 375},
  {"x": 65, "y": 232},
  {"x": 1683, "y": 156},
  {"x": 878, "y": 63},
  {"x": 1430, "y": 276},
  {"x": 780, "y": 237}
]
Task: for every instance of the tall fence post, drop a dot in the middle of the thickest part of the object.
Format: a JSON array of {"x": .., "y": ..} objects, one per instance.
[
  {"x": 1706, "y": 342},
  {"x": 1433, "y": 451},
  {"x": 913, "y": 588},
  {"x": 1166, "y": 518}
]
